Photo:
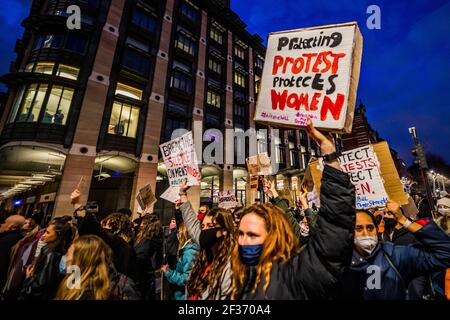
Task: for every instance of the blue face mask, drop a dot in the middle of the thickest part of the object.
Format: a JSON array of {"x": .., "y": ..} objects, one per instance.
[
  {"x": 62, "y": 265},
  {"x": 250, "y": 254}
]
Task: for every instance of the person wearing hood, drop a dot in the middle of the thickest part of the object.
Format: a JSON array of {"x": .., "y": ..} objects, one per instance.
[
  {"x": 382, "y": 270},
  {"x": 443, "y": 209}
]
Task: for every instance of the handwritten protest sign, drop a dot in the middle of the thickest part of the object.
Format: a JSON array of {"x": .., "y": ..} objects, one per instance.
[
  {"x": 227, "y": 200},
  {"x": 311, "y": 73},
  {"x": 181, "y": 160},
  {"x": 146, "y": 198},
  {"x": 374, "y": 177}
]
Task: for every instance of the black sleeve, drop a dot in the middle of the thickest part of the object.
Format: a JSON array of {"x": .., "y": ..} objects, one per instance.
[
  {"x": 44, "y": 284},
  {"x": 326, "y": 257}
]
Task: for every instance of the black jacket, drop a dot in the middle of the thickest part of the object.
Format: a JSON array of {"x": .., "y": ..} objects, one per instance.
[
  {"x": 316, "y": 272},
  {"x": 45, "y": 281},
  {"x": 149, "y": 259},
  {"x": 7, "y": 241},
  {"x": 124, "y": 254}
]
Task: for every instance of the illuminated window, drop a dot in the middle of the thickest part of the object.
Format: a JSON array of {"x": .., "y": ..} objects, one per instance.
[
  {"x": 128, "y": 91},
  {"x": 239, "y": 79},
  {"x": 216, "y": 35},
  {"x": 58, "y": 105},
  {"x": 239, "y": 51},
  {"x": 124, "y": 120},
  {"x": 213, "y": 99},
  {"x": 66, "y": 71},
  {"x": 32, "y": 103},
  {"x": 215, "y": 66},
  {"x": 183, "y": 42}
]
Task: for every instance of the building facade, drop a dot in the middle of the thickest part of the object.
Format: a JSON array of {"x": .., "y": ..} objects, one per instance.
[{"x": 89, "y": 107}]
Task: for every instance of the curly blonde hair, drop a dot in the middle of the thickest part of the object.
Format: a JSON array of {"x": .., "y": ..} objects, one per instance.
[{"x": 280, "y": 245}]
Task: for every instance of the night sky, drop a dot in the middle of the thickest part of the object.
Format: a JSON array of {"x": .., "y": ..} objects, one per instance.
[{"x": 405, "y": 72}]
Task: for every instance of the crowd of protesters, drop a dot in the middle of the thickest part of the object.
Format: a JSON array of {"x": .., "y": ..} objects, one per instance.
[{"x": 262, "y": 251}]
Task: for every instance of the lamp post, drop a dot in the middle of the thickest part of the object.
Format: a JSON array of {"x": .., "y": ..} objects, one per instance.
[{"x": 421, "y": 160}]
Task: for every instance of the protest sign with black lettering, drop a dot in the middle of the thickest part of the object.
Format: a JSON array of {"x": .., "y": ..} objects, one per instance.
[
  {"x": 181, "y": 160},
  {"x": 227, "y": 200},
  {"x": 372, "y": 171},
  {"x": 311, "y": 73}
]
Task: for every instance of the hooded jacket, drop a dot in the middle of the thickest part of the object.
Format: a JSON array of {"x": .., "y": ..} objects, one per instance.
[{"x": 410, "y": 261}]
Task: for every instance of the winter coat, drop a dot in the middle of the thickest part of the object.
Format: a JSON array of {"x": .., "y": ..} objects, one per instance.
[
  {"x": 149, "y": 257},
  {"x": 45, "y": 281},
  {"x": 7, "y": 241},
  {"x": 397, "y": 265},
  {"x": 124, "y": 254},
  {"x": 180, "y": 275},
  {"x": 315, "y": 273},
  {"x": 192, "y": 224},
  {"x": 21, "y": 256}
]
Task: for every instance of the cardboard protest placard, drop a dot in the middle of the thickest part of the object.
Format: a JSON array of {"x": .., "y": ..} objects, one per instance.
[
  {"x": 410, "y": 209},
  {"x": 259, "y": 164},
  {"x": 147, "y": 197},
  {"x": 171, "y": 194},
  {"x": 311, "y": 73},
  {"x": 227, "y": 200},
  {"x": 373, "y": 173},
  {"x": 181, "y": 160}
]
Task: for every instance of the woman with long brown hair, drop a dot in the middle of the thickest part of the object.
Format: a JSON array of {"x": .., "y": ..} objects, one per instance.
[
  {"x": 149, "y": 254},
  {"x": 267, "y": 263},
  {"x": 215, "y": 234},
  {"x": 98, "y": 279}
]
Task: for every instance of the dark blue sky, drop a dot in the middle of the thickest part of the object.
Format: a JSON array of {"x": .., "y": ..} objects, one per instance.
[{"x": 405, "y": 72}]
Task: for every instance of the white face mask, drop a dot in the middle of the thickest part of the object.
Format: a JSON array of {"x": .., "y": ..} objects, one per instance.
[
  {"x": 443, "y": 211},
  {"x": 366, "y": 244}
]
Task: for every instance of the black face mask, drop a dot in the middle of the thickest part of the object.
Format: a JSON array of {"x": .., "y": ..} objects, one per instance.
[
  {"x": 208, "y": 238},
  {"x": 389, "y": 223}
]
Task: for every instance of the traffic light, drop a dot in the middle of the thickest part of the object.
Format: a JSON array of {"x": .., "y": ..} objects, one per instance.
[{"x": 419, "y": 153}]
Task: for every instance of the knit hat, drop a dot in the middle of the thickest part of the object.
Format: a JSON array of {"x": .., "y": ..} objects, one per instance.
[{"x": 444, "y": 201}]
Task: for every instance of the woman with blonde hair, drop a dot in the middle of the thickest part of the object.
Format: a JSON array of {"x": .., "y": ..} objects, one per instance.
[
  {"x": 187, "y": 252},
  {"x": 98, "y": 279},
  {"x": 267, "y": 263}
]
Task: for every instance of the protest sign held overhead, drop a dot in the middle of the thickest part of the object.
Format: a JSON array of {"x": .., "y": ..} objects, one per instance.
[
  {"x": 311, "y": 73},
  {"x": 372, "y": 172},
  {"x": 181, "y": 160},
  {"x": 259, "y": 164},
  {"x": 146, "y": 198},
  {"x": 227, "y": 200}
]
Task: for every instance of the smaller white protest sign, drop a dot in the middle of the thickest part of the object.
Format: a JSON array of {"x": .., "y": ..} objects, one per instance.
[
  {"x": 181, "y": 160},
  {"x": 227, "y": 200},
  {"x": 363, "y": 168},
  {"x": 171, "y": 194}
]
